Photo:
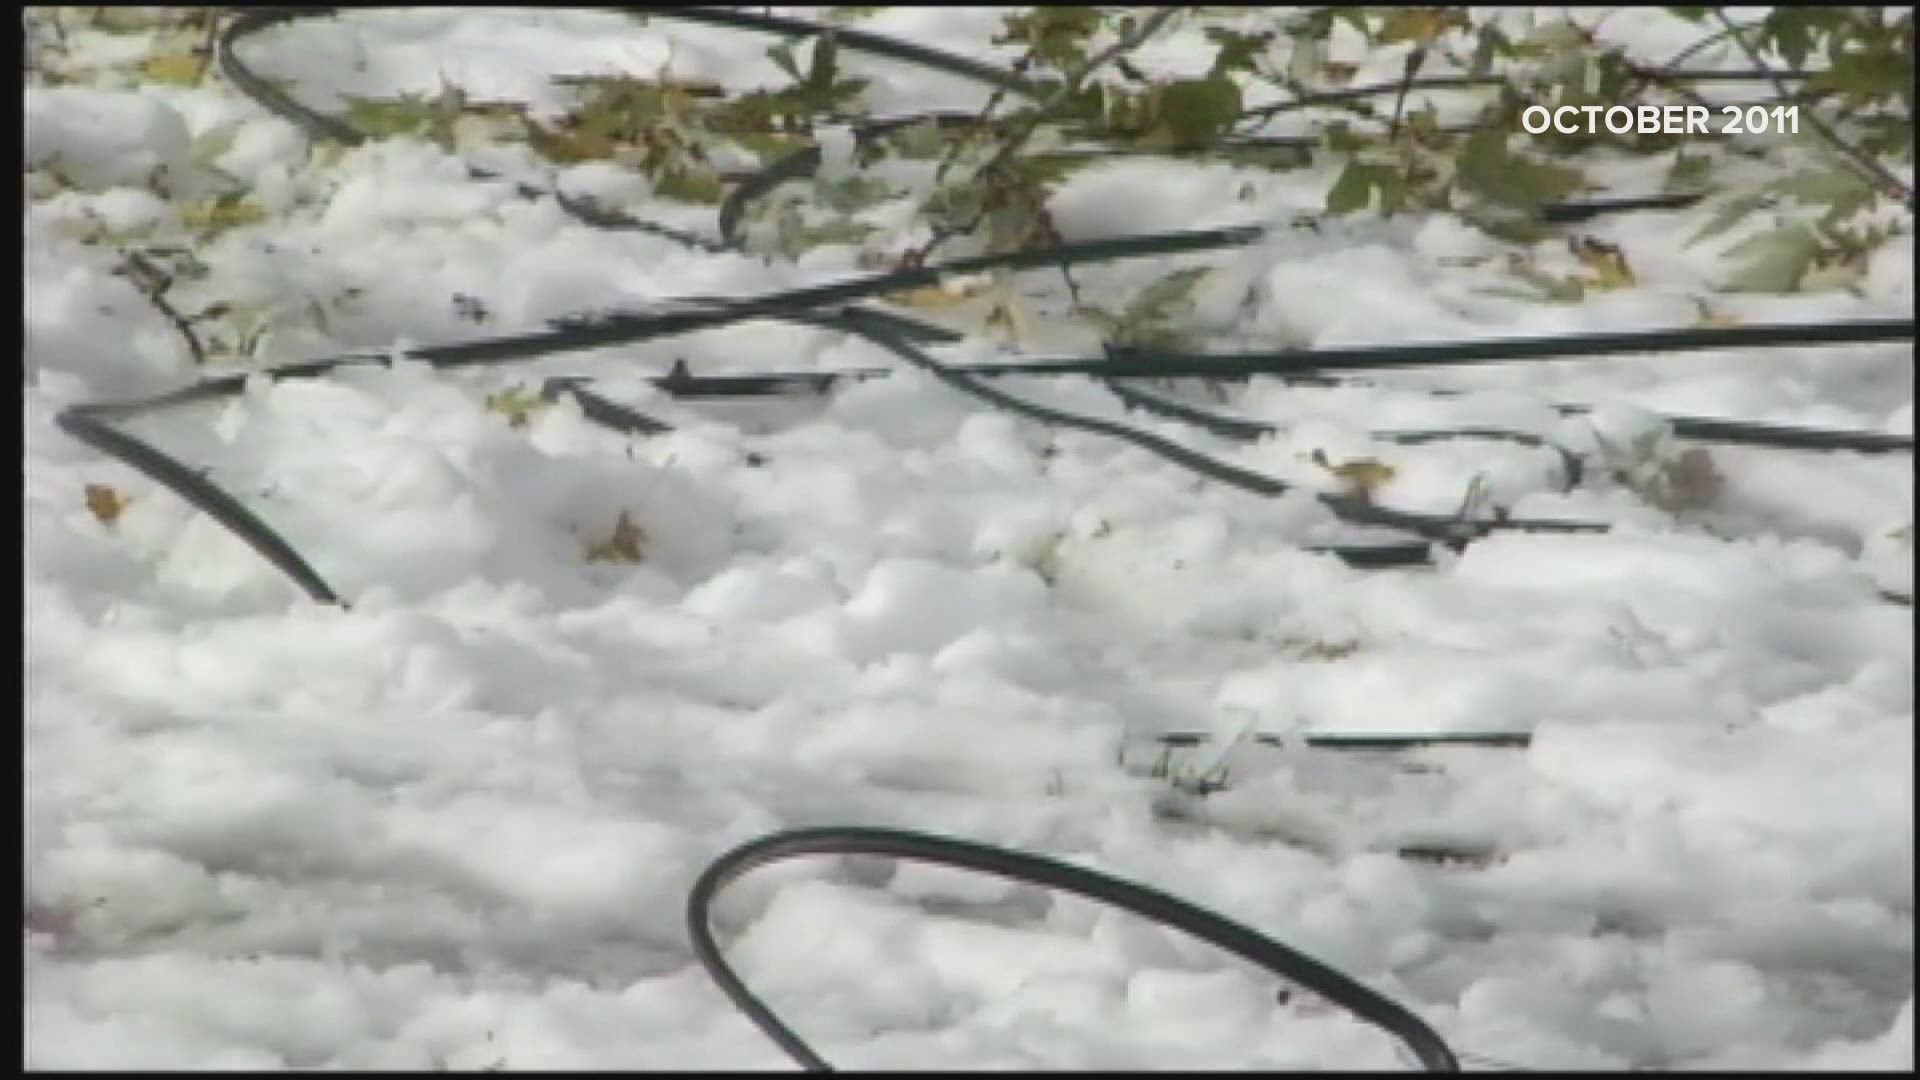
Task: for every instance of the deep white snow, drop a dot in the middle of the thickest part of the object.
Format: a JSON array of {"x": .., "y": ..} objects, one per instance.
[{"x": 455, "y": 825}]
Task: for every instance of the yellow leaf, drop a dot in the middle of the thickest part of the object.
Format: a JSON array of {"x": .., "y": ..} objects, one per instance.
[
  {"x": 173, "y": 69},
  {"x": 944, "y": 294},
  {"x": 1837, "y": 270},
  {"x": 563, "y": 147},
  {"x": 1607, "y": 263},
  {"x": 1360, "y": 477},
  {"x": 625, "y": 545},
  {"x": 1419, "y": 25},
  {"x": 517, "y": 405},
  {"x": 105, "y": 503},
  {"x": 223, "y": 212}
]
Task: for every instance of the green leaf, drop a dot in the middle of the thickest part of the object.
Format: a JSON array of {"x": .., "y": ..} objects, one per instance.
[
  {"x": 1165, "y": 296},
  {"x": 782, "y": 57},
  {"x": 920, "y": 141},
  {"x": 1355, "y": 187},
  {"x": 136, "y": 20},
  {"x": 1197, "y": 109},
  {"x": 1514, "y": 228},
  {"x": 1863, "y": 78},
  {"x": 380, "y": 118},
  {"x": 1056, "y": 36},
  {"x": 569, "y": 147},
  {"x": 1558, "y": 290},
  {"x": 1728, "y": 216},
  {"x": 1237, "y": 51},
  {"x": 1790, "y": 33},
  {"x": 1352, "y": 191},
  {"x": 693, "y": 185},
  {"x": 852, "y": 193},
  {"x": 956, "y": 203},
  {"x": 1688, "y": 173},
  {"x": 1422, "y": 26},
  {"x": 173, "y": 69},
  {"x": 1107, "y": 322},
  {"x": 220, "y": 213},
  {"x": 825, "y": 52},
  {"x": 1489, "y": 44},
  {"x": 1774, "y": 262},
  {"x": 1559, "y": 36},
  {"x": 1487, "y": 169},
  {"x": 793, "y": 236},
  {"x": 1825, "y": 186},
  {"x": 1341, "y": 139}
]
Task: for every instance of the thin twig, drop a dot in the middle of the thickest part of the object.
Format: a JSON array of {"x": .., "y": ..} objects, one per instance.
[
  {"x": 207, "y": 47},
  {"x": 1874, "y": 170},
  {"x": 1018, "y": 137},
  {"x": 1687, "y": 53},
  {"x": 1414, "y": 59},
  {"x": 153, "y": 283}
]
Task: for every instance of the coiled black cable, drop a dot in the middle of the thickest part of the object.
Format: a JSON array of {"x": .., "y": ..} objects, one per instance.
[{"x": 1287, "y": 963}]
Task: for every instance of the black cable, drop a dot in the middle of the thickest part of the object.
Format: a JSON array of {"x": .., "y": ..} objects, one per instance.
[
  {"x": 587, "y": 331},
  {"x": 1454, "y": 532},
  {"x": 604, "y": 411},
  {"x": 849, "y": 38},
  {"x": 1282, "y": 961},
  {"x": 683, "y": 384},
  {"x": 1515, "y": 740},
  {"x": 90, "y": 428},
  {"x": 1243, "y": 430},
  {"x": 90, "y": 422},
  {"x": 1168, "y": 363},
  {"x": 263, "y": 92},
  {"x": 1710, "y": 429}
]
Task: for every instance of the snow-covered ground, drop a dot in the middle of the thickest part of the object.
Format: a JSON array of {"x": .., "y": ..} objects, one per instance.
[{"x": 454, "y": 826}]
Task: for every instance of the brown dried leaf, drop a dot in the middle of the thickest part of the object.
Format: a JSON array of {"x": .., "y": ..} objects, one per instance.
[
  {"x": 627, "y": 544},
  {"x": 105, "y": 503},
  {"x": 1607, "y": 263},
  {"x": 943, "y": 294},
  {"x": 1359, "y": 478}
]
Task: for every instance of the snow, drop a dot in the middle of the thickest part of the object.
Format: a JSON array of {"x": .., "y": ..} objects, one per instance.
[{"x": 454, "y": 826}]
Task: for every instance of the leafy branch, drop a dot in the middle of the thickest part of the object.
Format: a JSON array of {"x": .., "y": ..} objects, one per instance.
[{"x": 1866, "y": 164}]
